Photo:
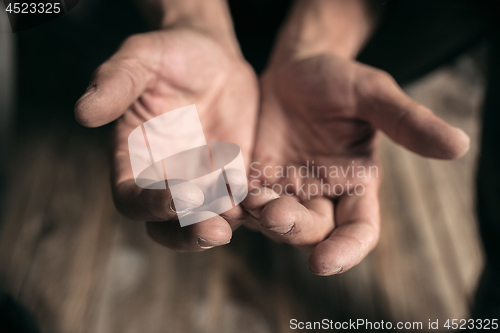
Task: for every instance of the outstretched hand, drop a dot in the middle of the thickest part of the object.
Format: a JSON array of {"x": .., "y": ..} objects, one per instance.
[
  {"x": 157, "y": 72},
  {"x": 321, "y": 114}
]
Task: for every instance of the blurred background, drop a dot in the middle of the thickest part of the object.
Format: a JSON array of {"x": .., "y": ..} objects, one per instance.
[{"x": 70, "y": 263}]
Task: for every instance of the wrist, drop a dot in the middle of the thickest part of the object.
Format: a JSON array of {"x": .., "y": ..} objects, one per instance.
[
  {"x": 211, "y": 18},
  {"x": 314, "y": 27}
]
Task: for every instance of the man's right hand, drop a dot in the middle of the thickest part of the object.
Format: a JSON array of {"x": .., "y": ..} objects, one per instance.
[{"x": 157, "y": 72}]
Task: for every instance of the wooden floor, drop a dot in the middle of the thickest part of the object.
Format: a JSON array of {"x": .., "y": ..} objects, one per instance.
[{"x": 78, "y": 266}]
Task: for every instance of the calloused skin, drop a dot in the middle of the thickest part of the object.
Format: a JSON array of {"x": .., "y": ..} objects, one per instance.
[
  {"x": 157, "y": 72},
  {"x": 326, "y": 109}
]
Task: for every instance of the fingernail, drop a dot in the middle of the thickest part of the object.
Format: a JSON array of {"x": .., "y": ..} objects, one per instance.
[
  {"x": 281, "y": 230},
  {"x": 208, "y": 244},
  {"x": 92, "y": 87},
  {"x": 89, "y": 91},
  {"x": 337, "y": 270},
  {"x": 181, "y": 206}
]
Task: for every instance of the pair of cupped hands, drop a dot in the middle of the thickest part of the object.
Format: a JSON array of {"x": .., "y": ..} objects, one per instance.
[{"x": 317, "y": 108}]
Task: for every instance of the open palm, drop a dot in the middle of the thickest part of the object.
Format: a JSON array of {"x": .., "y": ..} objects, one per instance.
[
  {"x": 322, "y": 113},
  {"x": 155, "y": 73}
]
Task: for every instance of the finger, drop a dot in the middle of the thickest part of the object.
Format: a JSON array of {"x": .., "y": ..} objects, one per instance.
[
  {"x": 257, "y": 199},
  {"x": 355, "y": 235},
  {"x": 156, "y": 204},
  {"x": 303, "y": 226},
  {"x": 117, "y": 84},
  {"x": 235, "y": 216},
  {"x": 213, "y": 232},
  {"x": 384, "y": 104},
  {"x": 290, "y": 196}
]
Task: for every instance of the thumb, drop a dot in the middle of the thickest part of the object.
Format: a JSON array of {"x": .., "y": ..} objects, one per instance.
[
  {"x": 384, "y": 104},
  {"x": 116, "y": 84}
]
